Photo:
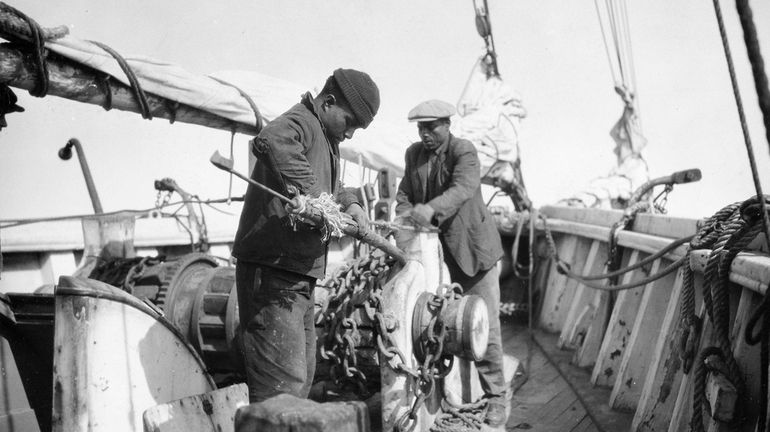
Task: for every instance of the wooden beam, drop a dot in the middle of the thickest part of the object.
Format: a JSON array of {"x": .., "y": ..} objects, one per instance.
[
  {"x": 628, "y": 239},
  {"x": 748, "y": 269},
  {"x": 618, "y": 332},
  {"x": 558, "y": 295},
  {"x": 647, "y": 223},
  {"x": 70, "y": 80},
  {"x": 646, "y": 330},
  {"x": 663, "y": 380},
  {"x": 572, "y": 333}
]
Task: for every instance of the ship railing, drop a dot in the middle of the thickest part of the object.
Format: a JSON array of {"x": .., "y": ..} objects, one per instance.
[{"x": 629, "y": 340}]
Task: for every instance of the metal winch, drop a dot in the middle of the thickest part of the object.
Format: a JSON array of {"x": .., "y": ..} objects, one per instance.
[
  {"x": 194, "y": 293},
  {"x": 450, "y": 324}
]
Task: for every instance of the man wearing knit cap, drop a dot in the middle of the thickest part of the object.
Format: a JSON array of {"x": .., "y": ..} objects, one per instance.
[
  {"x": 442, "y": 187},
  {"x": 279, "y": 262}
]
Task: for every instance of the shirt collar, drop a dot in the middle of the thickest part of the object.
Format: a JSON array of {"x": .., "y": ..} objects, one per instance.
[
  {"x": 307, "y": 101},
  {"x": 440, "y": 149}
]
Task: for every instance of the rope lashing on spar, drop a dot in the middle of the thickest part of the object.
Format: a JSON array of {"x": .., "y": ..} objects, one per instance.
[
  {"x": 36, "y": 35},
  {"x": 136, "y": 88}
]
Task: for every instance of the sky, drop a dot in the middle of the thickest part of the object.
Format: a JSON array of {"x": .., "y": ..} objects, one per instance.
[{"x": 550, "y": 51}]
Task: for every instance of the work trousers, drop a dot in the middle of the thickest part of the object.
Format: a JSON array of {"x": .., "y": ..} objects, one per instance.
[
  {"x": 277, "y": 330},
  {"x": 486, "y": 284}
]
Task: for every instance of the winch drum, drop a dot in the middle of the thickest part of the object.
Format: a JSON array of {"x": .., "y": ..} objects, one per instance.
[{"x": 467, "y": 323}]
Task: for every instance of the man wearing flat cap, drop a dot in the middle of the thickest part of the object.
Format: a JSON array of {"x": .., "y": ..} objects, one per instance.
[
  {"x": 442, "y": 187},
  {"x": 278, "y": 262},
  {"x": 7, "y": 104}
]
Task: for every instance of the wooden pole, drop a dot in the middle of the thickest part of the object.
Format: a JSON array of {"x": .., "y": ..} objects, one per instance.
[{"x": 70, "y": 80}]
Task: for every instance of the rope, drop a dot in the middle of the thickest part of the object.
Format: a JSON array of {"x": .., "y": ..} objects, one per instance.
[
  {"x": 699, "y": 387},
  {"x": 563, "y": 268},
  {"x": 757, "y": 63},
  {"x": 40, "y": 53},
  {"x": 761, "y": 312},
  {"x": 642, "y": 282},
  {"x": 764, "y": 97},
  {"x": 673, "y": 245},
  {"x": 736, "y": 233},
  {"x": 103, "y": 80},
  {"x": 690, "y": 324},
  {"x": 257, "y": 115},
  {"x": 333, "y": 220},
  {"x": 463, "y": 418},
  {"x": 136, "y": 88},
  {"x": 618, "y": 35}
]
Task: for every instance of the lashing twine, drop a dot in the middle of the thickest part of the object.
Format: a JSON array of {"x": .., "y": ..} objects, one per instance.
[{"x": 333, "y": 218}]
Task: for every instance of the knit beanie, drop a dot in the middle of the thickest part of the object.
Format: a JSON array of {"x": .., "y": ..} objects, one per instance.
[{"x": 361, "y": 92}]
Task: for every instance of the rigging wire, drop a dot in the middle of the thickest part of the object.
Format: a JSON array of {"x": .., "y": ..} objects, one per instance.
[
  {"x": 604, "y": 39},
  {"x": 757, "y": 63},
  {"x": 742, "y": 117},
  {"x": 616, "y": 36}
]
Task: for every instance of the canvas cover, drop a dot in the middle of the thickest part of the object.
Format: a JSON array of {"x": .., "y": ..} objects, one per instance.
[{"x": 489, "y": 111}]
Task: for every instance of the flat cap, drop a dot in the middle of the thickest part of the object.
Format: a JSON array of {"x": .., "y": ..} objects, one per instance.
[{"x": 431, "y": 110}]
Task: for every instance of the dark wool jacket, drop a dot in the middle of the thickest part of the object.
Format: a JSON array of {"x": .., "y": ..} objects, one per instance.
[
  {"x": 292, "y": 150},
  {"x": 453, "y": 190}
]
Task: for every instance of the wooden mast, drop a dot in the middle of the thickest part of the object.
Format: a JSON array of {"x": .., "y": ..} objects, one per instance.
[{"x": 73, "y": 81}]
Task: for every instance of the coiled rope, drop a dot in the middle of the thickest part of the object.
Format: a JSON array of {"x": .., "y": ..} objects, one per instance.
[
  {"x": 728, "y": 236},
  {"x": 462, "y": 418}
]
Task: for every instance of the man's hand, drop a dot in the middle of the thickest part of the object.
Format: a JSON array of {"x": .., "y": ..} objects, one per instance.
[
  {"x": 359, "y": 216},
  {"x": 422, "y": 214},
  {"x": 293, "y": 193}
]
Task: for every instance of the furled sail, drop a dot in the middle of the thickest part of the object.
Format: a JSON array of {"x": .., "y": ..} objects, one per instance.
[{"x": 489, "y": 111}]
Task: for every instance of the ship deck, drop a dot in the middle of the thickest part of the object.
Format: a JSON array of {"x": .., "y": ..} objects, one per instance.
[{"x": 555, "y": 395}]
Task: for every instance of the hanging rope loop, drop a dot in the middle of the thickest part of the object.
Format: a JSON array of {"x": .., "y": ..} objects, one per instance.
[{"x": 136, "y": 88}]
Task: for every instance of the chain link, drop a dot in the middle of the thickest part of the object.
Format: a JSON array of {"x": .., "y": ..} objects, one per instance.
[{"x": 358, "y": 287}]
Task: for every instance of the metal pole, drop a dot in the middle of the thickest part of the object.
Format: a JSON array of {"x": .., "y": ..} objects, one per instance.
[{"x": 65, "y": 153}]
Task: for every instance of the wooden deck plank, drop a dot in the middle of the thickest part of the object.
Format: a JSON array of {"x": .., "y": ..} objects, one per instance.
[
  {"x": 636, "y": 360},
  {"x": 571, "y": 416},
  {"x": 593, "y": 398},
  {"x": 585, "y": 425},
  {"x": 545, "y": 396}
]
